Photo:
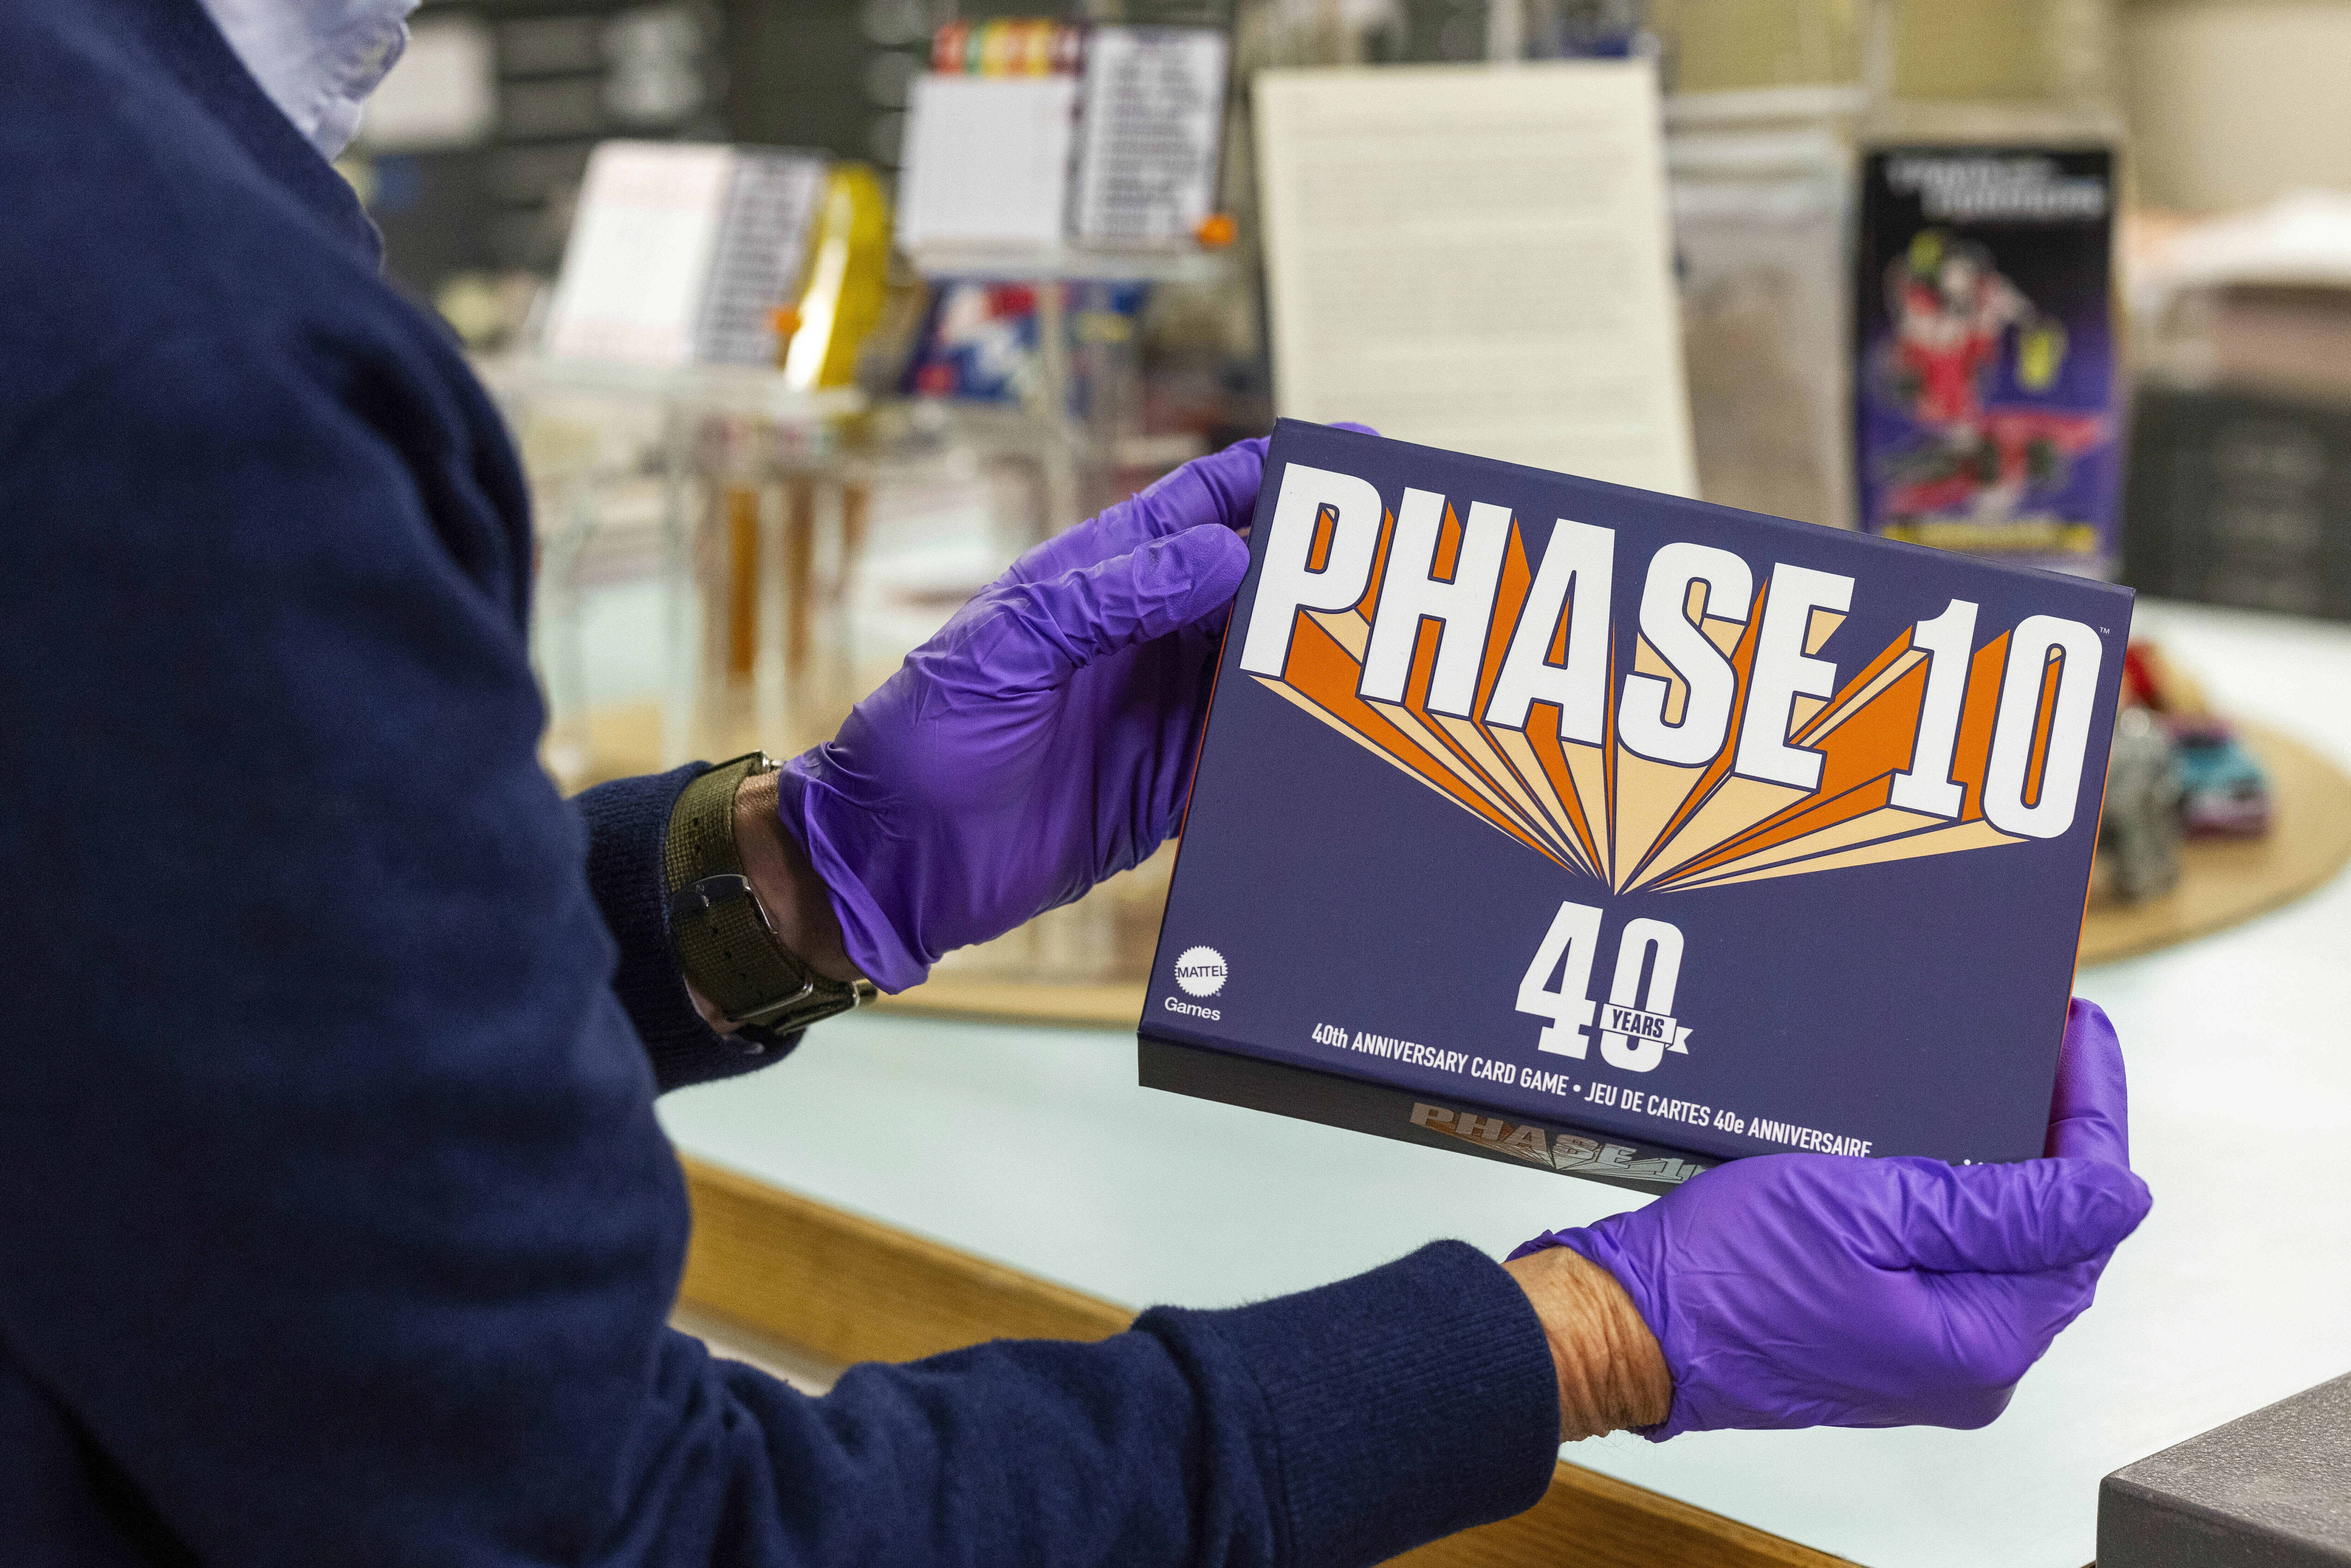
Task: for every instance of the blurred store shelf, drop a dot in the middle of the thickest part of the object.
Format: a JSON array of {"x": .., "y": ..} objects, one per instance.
[
  {"x": 743, "y": 391},
  {"x": 987, "y": 264}
]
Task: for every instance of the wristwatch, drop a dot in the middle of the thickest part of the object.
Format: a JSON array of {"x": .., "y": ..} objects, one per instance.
[{"x": 729, "y": 950}]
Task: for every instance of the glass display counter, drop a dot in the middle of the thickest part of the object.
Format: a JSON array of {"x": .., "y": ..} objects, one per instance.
[{"x": 726, "y": 564}]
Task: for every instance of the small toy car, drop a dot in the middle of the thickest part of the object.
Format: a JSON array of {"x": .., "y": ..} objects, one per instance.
[{"x": 2224, "y": 791}]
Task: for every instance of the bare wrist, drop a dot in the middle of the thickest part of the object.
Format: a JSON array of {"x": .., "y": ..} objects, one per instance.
[
  {"x": 1611, "y": 1372},
  {"x": 798, "y": 905}
]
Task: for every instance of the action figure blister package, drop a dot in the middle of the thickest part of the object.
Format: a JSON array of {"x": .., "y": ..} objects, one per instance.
[
  {"x": 1620, "y": 834},
  {"x": 1987, "y": 418}
]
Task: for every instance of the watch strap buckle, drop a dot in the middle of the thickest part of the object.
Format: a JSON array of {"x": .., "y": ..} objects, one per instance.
[{"x": 701, "y": 897}]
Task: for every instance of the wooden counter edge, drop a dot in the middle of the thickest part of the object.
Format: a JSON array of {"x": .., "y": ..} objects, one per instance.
[{"x": 850, "y": 1289}]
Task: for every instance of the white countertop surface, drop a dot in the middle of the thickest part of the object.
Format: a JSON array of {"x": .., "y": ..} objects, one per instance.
[{"x": 1034, "y": 1146}]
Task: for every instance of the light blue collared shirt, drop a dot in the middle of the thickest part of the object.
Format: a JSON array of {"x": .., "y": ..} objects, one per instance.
[{"x": 316, "y": 59}]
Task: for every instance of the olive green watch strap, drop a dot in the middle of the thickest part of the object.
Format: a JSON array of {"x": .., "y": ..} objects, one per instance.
[{"x": 730, "y": 953}]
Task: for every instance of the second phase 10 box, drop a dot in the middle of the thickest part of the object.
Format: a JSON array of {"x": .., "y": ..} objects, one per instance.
[{"x": 1620, "y": 834}]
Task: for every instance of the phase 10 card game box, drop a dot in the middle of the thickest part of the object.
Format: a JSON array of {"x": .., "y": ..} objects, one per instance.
[{"x": 1620, "y": 835}]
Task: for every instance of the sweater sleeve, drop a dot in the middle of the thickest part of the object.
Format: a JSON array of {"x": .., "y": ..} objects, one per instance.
[
  {"x": 1342, "y": 1426},
  {"x": 332, "y": 1204}
]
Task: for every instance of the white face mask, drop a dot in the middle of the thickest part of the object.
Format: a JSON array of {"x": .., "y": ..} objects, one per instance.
[{"x": 316, "y": 59}]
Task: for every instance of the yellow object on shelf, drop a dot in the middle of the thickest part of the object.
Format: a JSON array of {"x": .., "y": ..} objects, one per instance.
[{"x": 848, "y": 281}]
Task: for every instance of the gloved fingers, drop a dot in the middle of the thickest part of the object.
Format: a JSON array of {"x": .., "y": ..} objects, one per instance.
[
  {"x": 1218, "y": 488},
  {"x": 1998, "y": 1325},
  {"x": 2089, "y": 1110},
  {"x": 1221, "y": 488},
  {"x": 1052, "y": 627},
  {"x": 2022, "y": 1218}
]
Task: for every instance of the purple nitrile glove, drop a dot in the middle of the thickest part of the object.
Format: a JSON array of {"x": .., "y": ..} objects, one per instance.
[
  {"x": 1042, "y": 740},
  {"x": 1817, "y": 1290}
]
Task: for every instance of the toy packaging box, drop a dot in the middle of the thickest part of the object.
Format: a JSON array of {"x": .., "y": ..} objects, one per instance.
[
  {"x": 1987, "y": 386},
  {"x": 1620, "y": 835}
]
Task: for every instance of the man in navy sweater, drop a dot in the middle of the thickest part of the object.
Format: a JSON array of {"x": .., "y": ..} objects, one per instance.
[{"x": 335, "y": 1225}]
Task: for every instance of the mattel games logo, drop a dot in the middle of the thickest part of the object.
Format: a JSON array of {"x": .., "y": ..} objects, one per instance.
[{"x": 1201, "y": 971}]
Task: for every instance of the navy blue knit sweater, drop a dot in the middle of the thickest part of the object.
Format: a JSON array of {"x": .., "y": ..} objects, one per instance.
[{"x": 335, "y": 1225}]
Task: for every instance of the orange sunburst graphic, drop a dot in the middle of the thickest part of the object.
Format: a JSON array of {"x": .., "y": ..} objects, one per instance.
[{"x": 1602, "y": 811}]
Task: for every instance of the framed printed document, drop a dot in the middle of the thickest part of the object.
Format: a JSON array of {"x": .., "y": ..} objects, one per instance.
[{"x": 1479, "y": 260}]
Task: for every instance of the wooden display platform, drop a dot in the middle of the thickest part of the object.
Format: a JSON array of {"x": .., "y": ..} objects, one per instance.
[
  {"x": 2225, "y": 880},
  {"x": 849, "y": 1289},
  {"x": 2221, "y": 883}
]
